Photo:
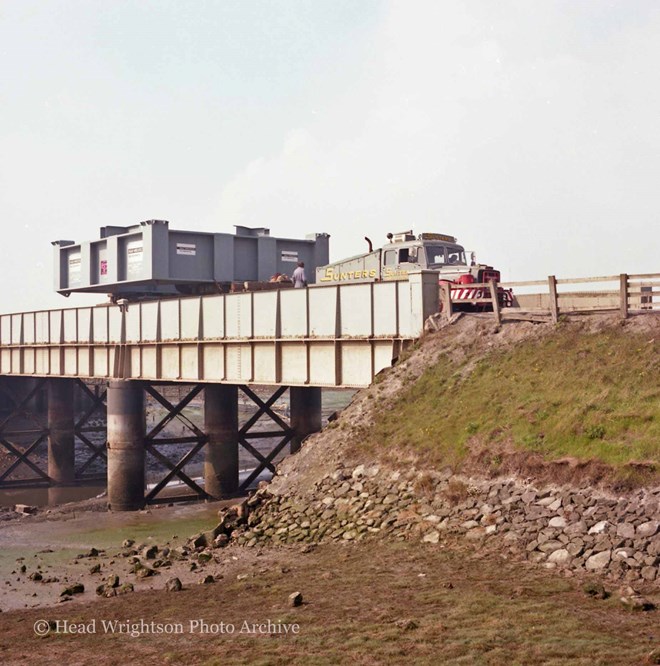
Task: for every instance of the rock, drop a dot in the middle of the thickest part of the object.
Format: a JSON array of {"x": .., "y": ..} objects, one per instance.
[
  {"x": 36, "y": 576},
  {"x": 25, "y": 509},
  {"x": 145, "y": 572},
  {"x": 173, "y": 585},
  {"x": 599, "y": 528},
  {"x": 595, "y": 590},
  {"x": 75, "y": 588},
  {"x": 560, "y": 557},
  {"x": 528, "y": 497},
  {"x": 295, "y": 599},
  {"x": 432, "y": 537},
  {"x": 127, "y": 543},
  {"x": 150, "y": 552},
  {"x": 207, "y": 580},
  {"x": 406, "y": 625},
  {"x": 358, "y": 472},
  {"x": 625, "y": 530},
  {"x": 634, "y": 601},
  {"x": 199, "y": 541},
  {"x": 599, "y": 561},
  {"x": 648, "y": 529},
  {"x": 550, "y": 546},
  {"x": 95, "y": 569},
  {"x": 220, "y": 541},
  {"x": 575, "y": 548},
  {"x": 557, "y": 521},
  {"x": 555, "y": 505},
  {"x": 649, "y": 573},
  {"x": 576, "y": 528},
  {"x": 125, "y": 588}
]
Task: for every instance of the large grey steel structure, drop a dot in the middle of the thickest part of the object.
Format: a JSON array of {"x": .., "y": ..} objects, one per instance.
[{"x": 150, "y": 258}]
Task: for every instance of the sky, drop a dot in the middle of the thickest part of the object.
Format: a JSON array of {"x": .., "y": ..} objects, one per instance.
[{"x": 528, "y": 130}]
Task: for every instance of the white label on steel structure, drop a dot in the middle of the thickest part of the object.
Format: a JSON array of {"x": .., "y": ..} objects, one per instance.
[
  {"x": 75, "y": 265},
  {"x": 188, "y": 249},
  {"x": 288, "y": 256},
  {"x": 340, "y": 335},
  {"x": 134, "y": 255}
]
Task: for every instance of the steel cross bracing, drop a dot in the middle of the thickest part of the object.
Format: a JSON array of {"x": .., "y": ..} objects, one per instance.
[
  {"x": 198, "y": 439},
  {"x": 34, "y": 435},
  {"x": 25, "y": 445},
  {"x": 152, "y": 443},
  {"x": 285, "y": 434},
  {"x": 97, "y": 403}
]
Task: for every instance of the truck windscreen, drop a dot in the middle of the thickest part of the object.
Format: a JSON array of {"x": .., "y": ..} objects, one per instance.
[{"x": 441, "y": 255}]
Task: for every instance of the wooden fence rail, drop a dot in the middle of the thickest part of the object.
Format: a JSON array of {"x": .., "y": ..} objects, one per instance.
[{"x": 624, "y": 293}]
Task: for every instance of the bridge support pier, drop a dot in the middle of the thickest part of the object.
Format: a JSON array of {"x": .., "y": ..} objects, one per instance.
[
  {"x": 221, "y": 426},
  {"x": 305, "y": 402},
  {"x": 126, "y": 452},
  {"x": 61, "y": 434}
]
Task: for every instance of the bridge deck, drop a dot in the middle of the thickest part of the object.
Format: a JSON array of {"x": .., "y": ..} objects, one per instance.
[{"x": 321, "y": 336}]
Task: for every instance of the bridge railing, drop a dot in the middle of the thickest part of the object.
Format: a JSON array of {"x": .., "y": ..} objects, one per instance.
[{"x": 331, "y": 335}]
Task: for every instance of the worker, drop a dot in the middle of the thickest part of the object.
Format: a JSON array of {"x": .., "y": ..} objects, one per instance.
[{"x": 299, "y": 277}]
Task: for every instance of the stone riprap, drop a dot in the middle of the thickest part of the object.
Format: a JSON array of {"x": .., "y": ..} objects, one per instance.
[{"x": 570, "y": 529}]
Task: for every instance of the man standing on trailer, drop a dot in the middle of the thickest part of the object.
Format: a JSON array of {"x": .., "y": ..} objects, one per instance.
[{"x": 299, "y": 277}]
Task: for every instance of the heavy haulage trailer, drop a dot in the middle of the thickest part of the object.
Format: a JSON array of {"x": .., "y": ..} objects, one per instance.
[{"x": 150, "y": 260}]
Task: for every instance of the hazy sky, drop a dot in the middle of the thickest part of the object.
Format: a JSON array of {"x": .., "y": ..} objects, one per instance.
[{"x": 528, "y": 129}]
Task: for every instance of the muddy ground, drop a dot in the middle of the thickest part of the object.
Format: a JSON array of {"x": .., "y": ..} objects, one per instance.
[{"x": 374, "y": 602}]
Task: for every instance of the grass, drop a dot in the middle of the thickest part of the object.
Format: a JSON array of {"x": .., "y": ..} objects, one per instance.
[
  {"x": 466, "y": 608},
  {"x": 590, "y": 396}
]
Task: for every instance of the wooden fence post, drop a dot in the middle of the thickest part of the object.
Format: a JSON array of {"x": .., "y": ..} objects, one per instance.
[
  {"x": 495, "y": 301},
  {"x": 554, "y": 303},
  {"x": 623, "y": 295}
]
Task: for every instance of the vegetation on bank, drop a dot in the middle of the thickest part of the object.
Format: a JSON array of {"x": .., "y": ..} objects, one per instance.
[{"x": 590, "y": 396}]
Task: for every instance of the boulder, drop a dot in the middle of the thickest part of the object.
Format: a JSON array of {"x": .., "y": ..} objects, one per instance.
[
  {"x": 295, "y": 599},
  {"x": 599, "y": 561},
  {"x": 173, "y": 585}
]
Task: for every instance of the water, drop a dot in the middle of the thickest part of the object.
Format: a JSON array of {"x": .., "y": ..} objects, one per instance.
[{"x": 333, "y": 400}]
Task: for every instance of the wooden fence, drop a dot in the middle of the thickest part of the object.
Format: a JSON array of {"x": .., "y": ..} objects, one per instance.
[{"x": 626, "y": 294}]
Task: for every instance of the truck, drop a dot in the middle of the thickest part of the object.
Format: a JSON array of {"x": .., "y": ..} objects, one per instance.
[{"x": 406, "y": 252}]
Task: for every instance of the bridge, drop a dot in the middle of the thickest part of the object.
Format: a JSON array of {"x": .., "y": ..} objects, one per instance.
[{"x": 300, "y": 340}]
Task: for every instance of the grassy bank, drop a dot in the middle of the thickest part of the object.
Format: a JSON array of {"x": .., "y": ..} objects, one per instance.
[{"x": 591, "y": 396}]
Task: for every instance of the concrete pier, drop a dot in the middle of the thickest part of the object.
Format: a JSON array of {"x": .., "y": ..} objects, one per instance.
[
  {"x": 306, "y": 416},
  {"x": 126, "y": 430},
  {"x": 61, "y": 436},
  {"x": 221, "y": 425}
]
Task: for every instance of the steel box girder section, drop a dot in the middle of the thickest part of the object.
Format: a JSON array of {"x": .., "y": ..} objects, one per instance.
[{"x": 333, "y": 362}]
